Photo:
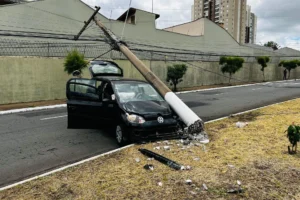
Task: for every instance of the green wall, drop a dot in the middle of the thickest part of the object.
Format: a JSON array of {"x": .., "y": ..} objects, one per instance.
[{"x": 26, "y": 79}]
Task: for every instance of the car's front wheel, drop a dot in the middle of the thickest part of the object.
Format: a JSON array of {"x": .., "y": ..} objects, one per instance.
[{"x": 121, "y": 134}]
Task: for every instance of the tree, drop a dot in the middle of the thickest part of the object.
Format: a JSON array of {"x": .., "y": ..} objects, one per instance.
[
  {"x": 272, "y": 44},
  {"x": 74, "y": 61},
  {"x": 263, "y": 60},
  {"x": 175, "y": 74},
  {"x": 231, "y": 65},
  {"x": 289, "y": 65}
]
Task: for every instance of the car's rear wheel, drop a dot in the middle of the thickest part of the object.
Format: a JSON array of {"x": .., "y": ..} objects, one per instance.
[{"x": 121, "y": 134}]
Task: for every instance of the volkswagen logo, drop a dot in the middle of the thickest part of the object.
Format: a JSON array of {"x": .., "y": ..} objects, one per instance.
[{"x": 160, "y": 120}]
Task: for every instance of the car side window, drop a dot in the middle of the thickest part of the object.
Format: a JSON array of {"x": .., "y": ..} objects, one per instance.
[{"x": 83, "y": 89}]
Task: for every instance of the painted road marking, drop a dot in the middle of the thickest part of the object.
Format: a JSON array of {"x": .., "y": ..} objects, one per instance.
[
  {"x": 220, "y": 94},
  {"x": 257, "y": 89},
  {"x": 54, "y": 117}
]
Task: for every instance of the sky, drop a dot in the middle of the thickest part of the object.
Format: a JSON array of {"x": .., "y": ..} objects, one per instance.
[{"x": 278, "y": 20}]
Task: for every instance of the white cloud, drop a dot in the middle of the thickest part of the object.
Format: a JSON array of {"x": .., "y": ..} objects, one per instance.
[{"x": 277, "y": 20}]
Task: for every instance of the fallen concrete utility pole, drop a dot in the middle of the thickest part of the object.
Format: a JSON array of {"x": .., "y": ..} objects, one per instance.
[
  {"x": 161, "y": 159},
  {"x": 195, "y": 126}
]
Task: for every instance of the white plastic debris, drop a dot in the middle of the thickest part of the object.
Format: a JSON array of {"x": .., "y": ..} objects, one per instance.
[
  {"x": 238, "y": 182},
  {"x": 196, "y": 159},
  {"x": 204, "y": 186},
  {"x": 188, "y": 181},
  {"x": 166, "y": 147},
  {"x": 183, "y": 168},
  {"x": 160, "y": 184},
  {"x": 137, "y": 160},
  {"x": 241, "y": 124}
]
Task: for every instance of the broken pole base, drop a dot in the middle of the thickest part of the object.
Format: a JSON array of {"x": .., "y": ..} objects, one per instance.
[{"x": 195, "y": 126}]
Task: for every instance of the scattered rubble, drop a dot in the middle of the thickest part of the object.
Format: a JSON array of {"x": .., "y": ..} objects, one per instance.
[
  {"x": 137, "y": 160},
  {"x": 241, "y": 124},
  {"x": 167, "y": 148},
  {"x": 156, "y": 148},
  {"x": 196, "y": 159},
  {"x": 149, "y": 167},
  {"x": 188, "y": 181},
  {"x": 204, "y": 186},
  {"x": 150, "y": 159},
  {"x": 235, "y": 191},
  {"x": 160, "y": 184},
  {"x": 238, "y": 182}
]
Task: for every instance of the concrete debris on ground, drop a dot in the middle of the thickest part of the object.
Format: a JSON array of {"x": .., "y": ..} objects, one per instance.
[
  {"x": 160, "y": 184},
  {"x": 150, "y": 159},
  {"x": 193, "y": 193},
  {"x": 167, "y": 148},
  {"x": 156, "y": 148},
  {"x": 230, "y": 166},
  {"x": 188, "y": 181},
  {"x": 137, "y": 160},
  {"x": 186, "y": 142},
  {"x": 235, "y": 190},
  {"x": 204, "y": 186},
  {"x": 196, "y": 159},
  {"x": 241, "y": 124},
  {"x": 238, "y": 182},
  {"x": 149, "y": 167},
  {"x": 186, "y": 167}
]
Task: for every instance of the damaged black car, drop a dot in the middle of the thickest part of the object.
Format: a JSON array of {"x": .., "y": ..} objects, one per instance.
[{"x": 133, "y": 108}]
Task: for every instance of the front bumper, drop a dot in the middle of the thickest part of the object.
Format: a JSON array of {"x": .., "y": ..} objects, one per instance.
[{"x": 153, "y": 131}]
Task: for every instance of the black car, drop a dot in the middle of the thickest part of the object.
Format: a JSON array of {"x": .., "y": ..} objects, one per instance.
[{"x": 135, "y": 110}]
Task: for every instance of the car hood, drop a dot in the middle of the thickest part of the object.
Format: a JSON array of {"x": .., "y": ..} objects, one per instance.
[{"x": 147, "y": 107}]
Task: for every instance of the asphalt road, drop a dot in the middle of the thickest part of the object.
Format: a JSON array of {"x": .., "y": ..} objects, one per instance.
[{"x": 34, "y": 142}]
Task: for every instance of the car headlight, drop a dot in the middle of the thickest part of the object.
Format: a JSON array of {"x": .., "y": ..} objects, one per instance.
[{"x": 135, "y": 119}]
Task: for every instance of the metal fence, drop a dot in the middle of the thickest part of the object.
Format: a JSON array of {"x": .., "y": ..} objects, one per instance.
[{"x": 9, "y": 47}]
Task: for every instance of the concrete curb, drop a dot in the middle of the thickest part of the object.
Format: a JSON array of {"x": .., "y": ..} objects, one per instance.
[
  {"x": 228, "y": 87},
  {"x": 116, "y": 150},
  {"x": 32, "y": 109}
]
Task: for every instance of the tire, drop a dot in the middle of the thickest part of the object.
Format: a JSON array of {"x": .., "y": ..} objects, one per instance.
[{"x": 120, "y": 134}]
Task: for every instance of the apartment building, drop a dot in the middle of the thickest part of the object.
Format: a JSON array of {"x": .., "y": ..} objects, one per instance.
[{"x": 230, "y": 14}]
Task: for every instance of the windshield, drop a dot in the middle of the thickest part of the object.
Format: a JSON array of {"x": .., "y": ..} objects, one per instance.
[{"x": 133, "y": 91}]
